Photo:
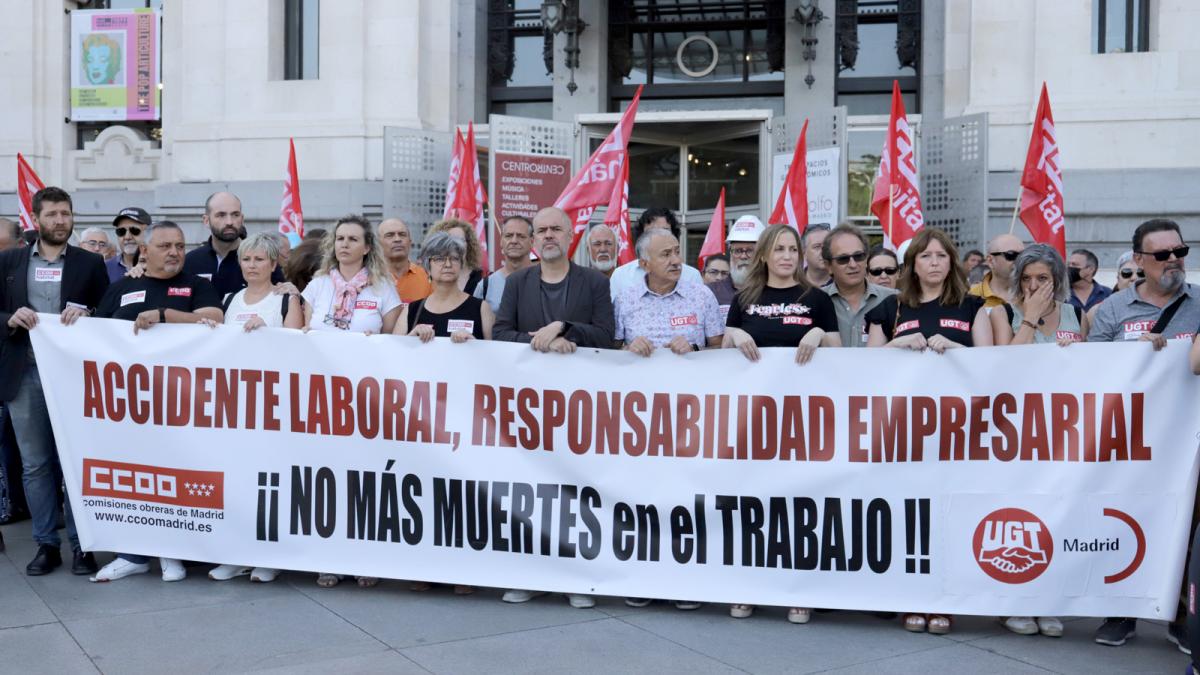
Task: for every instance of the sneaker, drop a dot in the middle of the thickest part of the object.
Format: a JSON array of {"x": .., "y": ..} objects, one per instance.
[
  {"x": 638, "y": 602},
  {"x": 579, "y": 601},
  {"x": 799, "y": 615},
  {"x": 172, "y": 569},
  {"x": 264, "y": 575},
  {"x": 687, "y": 605},
  {"x": 1115, "y": 631},
  {"x": 119, "y": 568},
  {"x": 1021, "y": 625},
  {"x": 227, "y": 572},
  {"x": 1050, "y": 626},
  {"x": 741, "y": 611},
  {"x": 517, "y": 595},
  {"x": 1177, "y": 635}
]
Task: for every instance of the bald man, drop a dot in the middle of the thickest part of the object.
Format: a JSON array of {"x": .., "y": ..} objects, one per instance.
[
  {"x": 412, "y": 283},
  {"x": 217, "y": 259},
  {"x": 996, "y": 287}
]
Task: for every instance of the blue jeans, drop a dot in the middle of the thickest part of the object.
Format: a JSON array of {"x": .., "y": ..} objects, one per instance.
[{"x": 39, "y": 459}]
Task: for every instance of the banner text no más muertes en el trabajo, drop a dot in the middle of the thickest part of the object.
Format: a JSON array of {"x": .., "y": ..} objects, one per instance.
[{"x": 1015, "y": 481}]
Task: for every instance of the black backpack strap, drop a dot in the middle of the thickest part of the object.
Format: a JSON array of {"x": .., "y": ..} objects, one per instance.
[
  {"x": 1078, "y": 313},
  {"x": 1168, "y": 313},
  {"x": 227, "y": 302},
  {"x": 1008, "y": 310}
]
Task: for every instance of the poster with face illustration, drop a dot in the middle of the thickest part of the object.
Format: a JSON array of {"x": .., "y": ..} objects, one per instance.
[{"x": 115, "y": 73}]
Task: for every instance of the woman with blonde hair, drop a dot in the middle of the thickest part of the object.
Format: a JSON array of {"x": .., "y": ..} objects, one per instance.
[
  {"x": 777, "y": 307},
  {"x": 471, "y": 273},
  {"x": 352, "y": 290}
]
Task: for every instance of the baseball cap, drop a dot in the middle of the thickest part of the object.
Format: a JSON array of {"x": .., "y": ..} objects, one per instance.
[
  {"x": 135, "y": 214},
  {"x": 746, "y": 228}
]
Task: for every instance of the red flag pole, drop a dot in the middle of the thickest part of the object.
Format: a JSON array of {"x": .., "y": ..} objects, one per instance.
[{"x": 1016, "y": 208}]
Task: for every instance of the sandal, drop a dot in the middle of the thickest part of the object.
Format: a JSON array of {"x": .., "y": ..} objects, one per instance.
[
  {"x": 463, "y": 590},
  {"x": 367, "y": 582},
  {"x": 799, "y": 615},
  {"x": 741, "y": 611},
  {"x": 914, "y": 623},
  {"x": 326, "y": 580},
  {"x": 939, "y": 624}
]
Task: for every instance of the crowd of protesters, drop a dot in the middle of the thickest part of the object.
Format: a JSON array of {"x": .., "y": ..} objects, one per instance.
[{"x": 823, "y": 288}]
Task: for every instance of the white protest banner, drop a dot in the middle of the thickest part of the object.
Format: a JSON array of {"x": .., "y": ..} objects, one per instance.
[
  {"x": 823, "y": 183},
  {"x": 1003, "y": 481}
]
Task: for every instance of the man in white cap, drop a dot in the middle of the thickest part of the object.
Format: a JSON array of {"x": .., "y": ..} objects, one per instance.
[{"x": 741, "y": 242}]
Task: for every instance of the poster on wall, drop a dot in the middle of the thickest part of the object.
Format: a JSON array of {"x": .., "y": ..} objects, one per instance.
[
  {"x": 114, "y": 65},
  {"x": 823, "y": 183}
]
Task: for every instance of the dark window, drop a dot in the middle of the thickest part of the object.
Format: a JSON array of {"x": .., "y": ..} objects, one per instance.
[
  {"x": 888, "y": 48},
  {"x": 301, "y": 39},
  {"x": 520, "y": 74},
  {"x": 1120, "y": 26}
]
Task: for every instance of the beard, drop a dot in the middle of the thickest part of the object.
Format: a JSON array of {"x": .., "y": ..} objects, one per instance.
[
  {"x": 50, "y": 236},
  {"x": 221, "y": 235},
  {"x": 738, "y": 274},
  {"x": 1171, "y": 280},
  {"x": 550, "y": 253},
  {"x": 604, "y": 265}
]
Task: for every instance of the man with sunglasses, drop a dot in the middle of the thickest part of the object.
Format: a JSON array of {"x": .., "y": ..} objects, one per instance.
[
  {"x": 845, "y": 252},
  {"x": 1135, "y": 314},
  {"x": 129, "y": 225},
  {"x": 996, "y": 288},
  {"x": 741, "y": 242}
]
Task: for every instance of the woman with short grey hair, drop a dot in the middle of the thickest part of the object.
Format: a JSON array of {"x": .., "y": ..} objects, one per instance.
[
  {"x": 262, "y": 304},
  {"x": 449, "y": 311},
  {"x": 1039, "y": 312}
]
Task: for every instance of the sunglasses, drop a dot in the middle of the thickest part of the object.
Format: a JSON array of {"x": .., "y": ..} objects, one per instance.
[
  {"x": 1128, "y": 274},
  {"x": 1163, "y": 256},
  {"x": 1007, "y": 255},
  {"x": 845, "y": 259},
  {"x": 135, "y": 231},
  {"x": 879, "y": 271}
]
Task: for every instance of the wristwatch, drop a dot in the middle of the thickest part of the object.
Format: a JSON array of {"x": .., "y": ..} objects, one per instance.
[
  {"x": 162, "y": 315},
  {"x": 566, "y": 326}
]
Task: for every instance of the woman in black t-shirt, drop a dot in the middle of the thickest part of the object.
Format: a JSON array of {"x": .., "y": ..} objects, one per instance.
[
  {"x": 932, "y": 310},
  {"x": 448, "y": 311},
  {"x": 776, "y": 306}
]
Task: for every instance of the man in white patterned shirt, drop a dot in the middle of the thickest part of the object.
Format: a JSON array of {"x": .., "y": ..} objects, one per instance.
[{"x": 663, "y": 311}]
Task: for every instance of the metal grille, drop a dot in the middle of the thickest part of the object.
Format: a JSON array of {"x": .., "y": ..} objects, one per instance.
[
  {"x": 531, "y": 136},
  {"x": 415, "y": 170},
  {"x": 954, "y": 177},
  {"x": 823, "y": 132}
]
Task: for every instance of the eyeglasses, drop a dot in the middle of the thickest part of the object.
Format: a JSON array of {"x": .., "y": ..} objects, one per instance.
[
  {"x": 1007, "y": 255},
  {"x": 91, "y": 243},
  {"x": 879, "y": 271},
  {"x": 861, "y": 256},
  {"x": 1128, "y": 273},
  {"x": 135, "y": 231},
  {"x": 741, "y": 251},
  {"x": 1163, "y": 256},
  {"x": 445, "y": 260},
  {"x": 716, "y": 274}
]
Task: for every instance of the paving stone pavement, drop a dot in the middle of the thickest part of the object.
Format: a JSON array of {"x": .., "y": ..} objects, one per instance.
[{"x": 64, "y": 624}]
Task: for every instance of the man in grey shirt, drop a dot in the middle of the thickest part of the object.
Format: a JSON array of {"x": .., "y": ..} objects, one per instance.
[
  {"x": 516, "y": 240},
  {"x": 1133, "y": 314},
  {"x": 845, "y": 252}
]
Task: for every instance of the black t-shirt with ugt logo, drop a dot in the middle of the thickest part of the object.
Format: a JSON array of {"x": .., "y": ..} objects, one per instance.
[
  {"x": 183, "y": 292},
  {"x": 930, "y": 318},
  {"x": 783, "y": 316}
]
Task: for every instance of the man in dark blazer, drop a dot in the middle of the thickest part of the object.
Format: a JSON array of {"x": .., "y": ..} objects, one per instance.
[
  {"x": 555, "y": 305},
  {"x": 50, "y": 277}
]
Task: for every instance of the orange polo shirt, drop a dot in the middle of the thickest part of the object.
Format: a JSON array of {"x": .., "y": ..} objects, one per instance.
[{"x": 414, "y": 285}]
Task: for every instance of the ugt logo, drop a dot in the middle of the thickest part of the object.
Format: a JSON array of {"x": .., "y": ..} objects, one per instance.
[{"x": 1013, "y": 546}]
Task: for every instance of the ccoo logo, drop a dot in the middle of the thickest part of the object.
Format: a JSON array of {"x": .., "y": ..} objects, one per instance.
[{"x": 1012, "y": 546}]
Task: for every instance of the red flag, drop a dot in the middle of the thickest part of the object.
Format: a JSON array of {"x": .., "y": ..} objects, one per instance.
[
  {"x": 896, "y": 200},
  {"x": 599, "y": 181},
  {"x": 1041, "y": 196},
  {"x": 792, "y": 206},
  {"x": 291, "y": 215},
  {"x": 617, "y": 217},
  {"x": 469, "y": 197},
  {"x": 714, "y": 241},
  {"x": 456, "y": 162},
  {"x": 27, "y": 184}
]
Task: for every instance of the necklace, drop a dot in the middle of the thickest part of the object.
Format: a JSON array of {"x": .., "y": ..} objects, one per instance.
[{"x": 1042, "y": 318}]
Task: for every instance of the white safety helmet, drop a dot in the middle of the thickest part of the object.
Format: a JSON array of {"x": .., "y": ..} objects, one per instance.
[{"x": 746, "y": 228}]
